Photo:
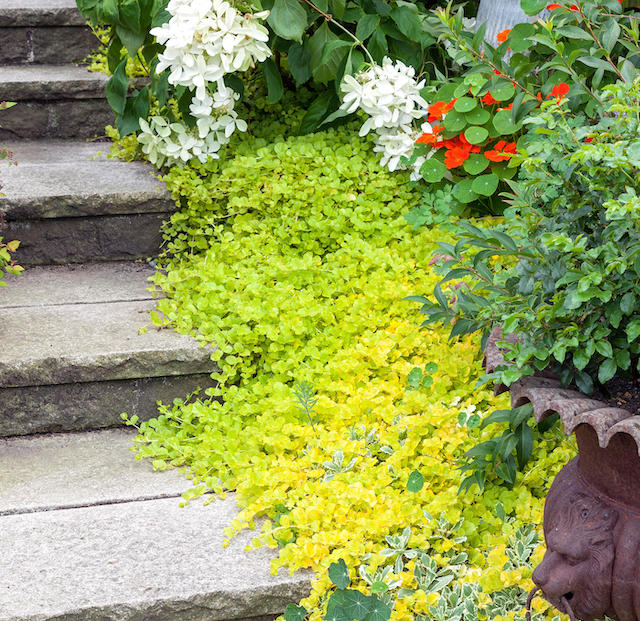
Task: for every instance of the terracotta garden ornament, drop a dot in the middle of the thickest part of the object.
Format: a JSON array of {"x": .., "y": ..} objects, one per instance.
[{"x": 592, "y": 511}]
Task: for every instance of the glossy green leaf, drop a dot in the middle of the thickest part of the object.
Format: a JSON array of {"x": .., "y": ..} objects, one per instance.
[
  {"x": 288, "y": 19},
  {"x": 485, "y": 185}
]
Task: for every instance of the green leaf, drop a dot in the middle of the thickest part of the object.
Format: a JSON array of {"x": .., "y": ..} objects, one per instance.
[
  {"x": 533, "y": 7},
  {"x": 485, "y": 185},
  {"x": 504, "y": 124},
  {"x": 633, "y": 330},
  {"x": 337, "y": 8},
  {"x": 478, "y": 116},
  {"x": 476, "y": 134},
  {"x": 136, "y": 108},
  {"x": 503, "y": 93},
  {"x": 433, "y": 170},
  {"x": 324, "y": 69},
  {"x": 319, "y": 109},
  {"x": 628, "y": 303},
  {"x": 356, "y": 605},
  {"x": 465, "y": 104},
  {"x": 378, "y": 610},
  {"x": 339, "y": 574},
  {"x": 476, "y": 164},
  {"x": 607, "y": 370},
  {"x": 580, "y": 359},
  {"x": 272, "y": 77},
  {"x": 463, "y": 191},
  {"x": 454, "y": 121},
  {"x": 295, "y": 613},
  {"x": 604, "y": 348},
  {"x": 116, "y": 88},
  {"x": 609, "y": 34},
  {"x": 408, "y": 22},
  {"x": 584, "y": 382},
  {"x": 415, "y": 482},
  {"x": 299, "y": 59},
  {"x": 130, "y": 39},
  {"x": 288, "y": 19},
  {"x": 366, "y": 26}
]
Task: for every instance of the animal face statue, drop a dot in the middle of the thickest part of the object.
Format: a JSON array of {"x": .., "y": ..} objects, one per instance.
[{"x": 577, "y": 568}]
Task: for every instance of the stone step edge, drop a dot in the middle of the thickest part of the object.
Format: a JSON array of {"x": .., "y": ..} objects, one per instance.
[{"x": 17, "y": 17}]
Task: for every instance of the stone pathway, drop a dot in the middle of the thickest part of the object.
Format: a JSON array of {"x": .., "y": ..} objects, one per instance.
[{"x": 86, "y": 531}]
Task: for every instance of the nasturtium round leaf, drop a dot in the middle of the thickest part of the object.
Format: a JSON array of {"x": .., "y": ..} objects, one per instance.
[
  {"x": 433, "y": 170},
  {"x": 465, "y": 104},
  {"x": 463, "y": 192},
  {"x": 476, "y": 164},
  {"x": 356, "y": 605},
  {"x": 504, "y": 92},
  {"x": 339, "y": 574},
  {"x": 476, "y": 135},
  {"x": 478, "y": 116},
  {"x": 415, "y": 482},
  {"x": 295, "y": 613},
  {"x": 502, "y": 170},
  {"x": 454, "y": 121},
  {"x": 485, "y": 185},
  {"x": 378, "y": 610},
  {"x": 503, "y": 123}
]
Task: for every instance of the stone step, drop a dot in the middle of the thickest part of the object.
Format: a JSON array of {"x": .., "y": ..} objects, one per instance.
[
  {"x": 67, "y": 203},
  {"x": 89, "y": 533},
  {"x": 73, "y": 357},
  {"x": 54, "y": 101},
  {"x": 39, "y": 13}
]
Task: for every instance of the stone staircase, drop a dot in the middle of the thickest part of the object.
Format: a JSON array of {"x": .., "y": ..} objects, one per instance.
[{"x": 86, "y": 531}]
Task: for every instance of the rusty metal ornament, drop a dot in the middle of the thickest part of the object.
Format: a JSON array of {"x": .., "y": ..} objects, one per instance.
[{"x": 592, "y": 510}]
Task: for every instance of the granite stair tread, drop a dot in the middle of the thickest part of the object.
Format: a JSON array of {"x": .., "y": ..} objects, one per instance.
[
  {"x": 50, "y": 82},
  {"x": 55, "y": 179},
  {"x": 82, "y": 340},
  {"x": 111, "y": 543},
  {"x": 39, "y": 13}
]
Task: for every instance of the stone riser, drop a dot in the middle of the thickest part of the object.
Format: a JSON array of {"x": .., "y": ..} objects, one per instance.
[
  {"x": 76, "y": 240},
  {"x": 89, "y": 405},
  {"x": 46, "y": 45},
  {"x": 77, "y": 118}
]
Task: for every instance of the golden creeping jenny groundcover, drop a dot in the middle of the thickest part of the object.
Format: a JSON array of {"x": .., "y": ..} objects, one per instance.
[{"x": 292, "y": 256}]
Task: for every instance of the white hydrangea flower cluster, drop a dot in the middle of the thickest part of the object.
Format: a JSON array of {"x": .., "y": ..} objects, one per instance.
[
  {"x": 390, "y": 96},
  {"x": 204, "y": 41}
]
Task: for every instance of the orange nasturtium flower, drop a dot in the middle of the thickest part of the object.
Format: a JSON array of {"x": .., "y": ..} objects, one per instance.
[
  {"x": 501, "y": 151},
  {"x": 502, "y": 36},
  {"x": 438, "y": 109},
  {"x": 488, "y": 99},
  {"x": 431, "y": 138},
  {"x": 559, "y": 90},
  {"x": 456, "y": 156}
]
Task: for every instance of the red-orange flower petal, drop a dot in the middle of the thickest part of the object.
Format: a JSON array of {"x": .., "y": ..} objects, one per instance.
[{"x": 502, "y": 36}]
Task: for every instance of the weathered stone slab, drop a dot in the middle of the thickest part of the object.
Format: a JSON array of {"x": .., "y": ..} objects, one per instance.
[
  {"x": 46, "y": 45},
  {"x": 64, "y": 470},
  {"x": 78, "y": 118},
  {"x": 57, "y": 179},
  {"x": 86, "y": 283},
  {"x": 45, "y": 82},
  {"x": 73, "y": 240},
  {"x": 92, "y": 342},
  {"x": 40, "y": 13},
  {"x": 137, "y": 561},
  {"x": 89, "y": 405}
]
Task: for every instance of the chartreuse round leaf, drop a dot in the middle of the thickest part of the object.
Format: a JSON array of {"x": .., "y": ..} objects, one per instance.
[
  {"x": 415, "y": 482},
  {"x": 433, "y": 170},
  {"x": 503, "y": 92},
  {"x": 339, "y": 574},
  {"x": 503, "y": 123},
  {"x": 485, "y": 185},
  {"x": 454, "y": 121},
  {"x": 463, "y": 191},
  {"x": 465, "y": 104},
  {"x": 476, "y": 135},
  {"x": 476, "y": 164},
  {"x": 478, "y": 116}
]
